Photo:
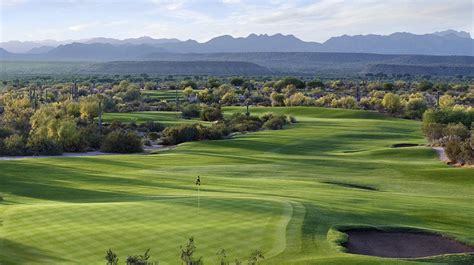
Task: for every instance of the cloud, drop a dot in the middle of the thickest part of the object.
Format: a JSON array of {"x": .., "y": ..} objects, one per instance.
[{"x": 81, "y": 27}]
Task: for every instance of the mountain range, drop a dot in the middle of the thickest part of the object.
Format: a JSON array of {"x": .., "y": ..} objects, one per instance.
[{"x": 448, "y": 42}]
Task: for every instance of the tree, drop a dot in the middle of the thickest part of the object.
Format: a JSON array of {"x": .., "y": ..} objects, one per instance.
[
  {"x": 425, "y": 85},
  {"x": 391, "y": 103},
  {"x": 446, "y": 102},
  {"x": 229, "y": 98},
  {"x": 89, "y": 108},
  {"x": 237, "y": 81},
  {"x": 297, "y": 99},
  {"x": 188, "y": 83},
  {"x": 315, "y": 83},
  {"x": 51, "y": 123},
  {"x": 277, "y": 99},
  {"x": 16, "y": 115},
  {"x": 188, "y": 91},
  {"x": 149, "y": 85},
  {"x": 415, "y": 108}
]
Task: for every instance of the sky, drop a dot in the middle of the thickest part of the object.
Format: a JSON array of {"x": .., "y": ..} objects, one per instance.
[{"x": 201, "y": 20}]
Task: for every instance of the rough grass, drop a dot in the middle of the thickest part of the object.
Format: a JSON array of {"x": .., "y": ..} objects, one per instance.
[{"x": 259, "y": 190}]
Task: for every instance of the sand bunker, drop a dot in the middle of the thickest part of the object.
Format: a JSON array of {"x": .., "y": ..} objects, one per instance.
[
  {"x": 399, "y": 244},
  {"x": 404, "y": 145},
  {"x": 350, "y": 185}
]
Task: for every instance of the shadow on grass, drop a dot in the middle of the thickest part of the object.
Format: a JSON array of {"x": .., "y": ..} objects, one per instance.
[{"x": 17, "y": 253}]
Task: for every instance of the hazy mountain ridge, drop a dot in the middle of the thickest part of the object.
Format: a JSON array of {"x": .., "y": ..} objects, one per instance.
[
  {"x": 177, "y": 68},
  {"x": 448, "y": 42}
]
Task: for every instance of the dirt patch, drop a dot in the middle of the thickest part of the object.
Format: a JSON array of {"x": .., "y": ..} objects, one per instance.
[
  {"x": 442, "y": 155},
  {"x": 402, "y": 244},
  {"x": 351, "y": 185},
  {"x": 400, "y": 145}
]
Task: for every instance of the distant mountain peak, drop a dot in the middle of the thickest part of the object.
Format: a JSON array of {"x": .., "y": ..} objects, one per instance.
[{"x": 460, "y": 34}]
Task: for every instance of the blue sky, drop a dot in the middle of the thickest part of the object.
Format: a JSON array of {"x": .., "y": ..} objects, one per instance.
[{"x": 202, "y": 20}]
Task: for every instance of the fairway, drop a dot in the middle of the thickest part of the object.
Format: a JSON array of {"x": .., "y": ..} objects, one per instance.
[
  {"x": 167, "y": 118},
  {"x": 278, "y": 191},
  {"x": 166, "y": 95}
]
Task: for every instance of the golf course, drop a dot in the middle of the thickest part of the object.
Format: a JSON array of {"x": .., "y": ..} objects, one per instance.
[{"x": 289, "y": 193}]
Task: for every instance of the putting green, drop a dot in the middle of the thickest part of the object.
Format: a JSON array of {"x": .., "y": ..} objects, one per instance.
[{"x": 272, "y": 190}]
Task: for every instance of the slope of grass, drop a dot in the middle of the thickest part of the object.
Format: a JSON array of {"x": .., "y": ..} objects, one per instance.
[{"x": 266, "y": 190}]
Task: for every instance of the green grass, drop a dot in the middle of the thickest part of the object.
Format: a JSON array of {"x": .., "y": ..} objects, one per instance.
[
  {"x": 270, "y": 190},
  {"x": 165, "y": 117},
  {"x": 168, "y": 95}
]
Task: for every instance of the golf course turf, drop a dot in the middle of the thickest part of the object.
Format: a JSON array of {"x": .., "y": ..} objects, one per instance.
[{"x": 279, "y": 191}]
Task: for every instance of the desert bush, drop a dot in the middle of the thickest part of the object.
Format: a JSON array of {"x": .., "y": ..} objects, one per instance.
[
  {"x": 2, "y": 147},
  {"x": 122, "y": 141},
  {"x": 43, "y": 146},
  {"x": 453, "y": 149},
  {"x": 180, "y": 134},
  {"x": 4, "y": 133},
  {"x": 391, "y": 103},
  {"x": 415, "y": 108},
  {"x": 215, "y": 132},
  {"x": 211, "y": 114},
  {"x": 14, "y": 145},
  {"x": 452, "y": 115},
  {"x": 456, "y": 130},
  {"x": 275, "y": 123},
  {"x": 152, "y": 126},
  {"x": 239, "y": 122},
  {"x": 433, "y": 131},
  {"x": 153, "y": 136},
  {"x": 190, "y": 111},
  {"x": 344, "y": 102}
]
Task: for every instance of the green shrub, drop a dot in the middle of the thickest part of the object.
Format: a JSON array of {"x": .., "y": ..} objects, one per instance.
[
  {"x": 433, "y": 131},
  {"x": 275, "y": 123},
  {"x": 14, "y": 145},
  {"x": 453, "y": 149},
  {"x": 152, "y": 126},
  {"x": 239, "y": 122},
  {"x": 211, "y": 114},
  {"x": 121, "y": 141},
  {"x": 456, "y": 130},
  {"x": 415, "y": 108},
  {"x": 453, "y": 115},
  {"x": 43, "y": 146},
  {"x": 4, "y": 133},
  {"x": 190, "y": 111},
  {"x": 2, "y": 147},
  {"x": 215, "y": 132},
  {"x": 180, "y": 134},
  {"x": 153, "y": 136}
]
